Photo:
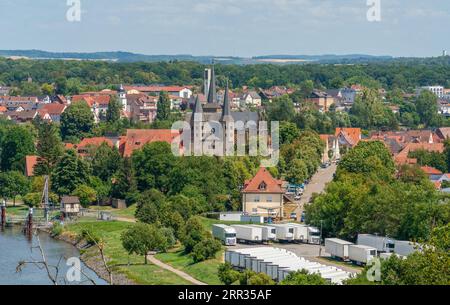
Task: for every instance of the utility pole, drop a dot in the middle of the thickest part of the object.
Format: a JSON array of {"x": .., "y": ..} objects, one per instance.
[{"x": 320, "y": 241}]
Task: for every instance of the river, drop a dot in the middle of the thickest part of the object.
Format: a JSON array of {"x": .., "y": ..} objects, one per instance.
[{"x": 15, "y": 247}]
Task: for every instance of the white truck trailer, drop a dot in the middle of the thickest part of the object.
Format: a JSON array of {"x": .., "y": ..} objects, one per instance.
[
  {"x": 224, "y": 233},
  {"x": 381, "y": 243},
  {"x": 268, "y": 232},
  {"x": 337, "y": 248},
  {"x": 405, "y": 248},
  {"x": 248, "y": 233},
  {"x": 388, "y": 255},
  {"x": 306, "y": 234},
  {"x": 284, "y": 232},
  {"x": 360, "y": 254}
]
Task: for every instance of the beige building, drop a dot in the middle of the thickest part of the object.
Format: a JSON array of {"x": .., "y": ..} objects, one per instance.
[{"x": 263, "y": 195}]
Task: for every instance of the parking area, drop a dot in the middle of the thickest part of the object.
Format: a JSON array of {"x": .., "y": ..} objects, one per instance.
[{"x": 310, "y": 252}]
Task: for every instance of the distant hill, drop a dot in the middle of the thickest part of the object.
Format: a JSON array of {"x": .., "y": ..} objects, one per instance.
[{"x": 133, "y": 57}]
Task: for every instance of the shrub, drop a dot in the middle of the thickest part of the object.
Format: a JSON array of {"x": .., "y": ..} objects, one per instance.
[
  {"x": 206, "y": 249},
  {"x": 57, "y": 229},
  {"x": 227, "y": 274}
]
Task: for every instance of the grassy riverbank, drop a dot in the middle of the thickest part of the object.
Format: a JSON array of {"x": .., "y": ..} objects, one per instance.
[{"x": 131, "y": 265}]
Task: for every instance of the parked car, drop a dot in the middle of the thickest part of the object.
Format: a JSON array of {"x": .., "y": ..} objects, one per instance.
[
  {"x": 293, "y": 215},
  {"x": 297, "y": 197}
]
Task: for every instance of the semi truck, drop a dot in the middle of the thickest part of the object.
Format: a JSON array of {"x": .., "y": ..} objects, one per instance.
[
  {"x": 268, "y": 232},
  {"x": 380, "y": 243},
  {"x": 337, "y": 248},
  {"x": 248, "y": 233},
  {"x": 360, "y": 254},
  {"x": 224, "y": 233},
  {"x": 306, "y": 234},
  {"x": 405, "y": 248},
  {"x": 284, "y": 232}
]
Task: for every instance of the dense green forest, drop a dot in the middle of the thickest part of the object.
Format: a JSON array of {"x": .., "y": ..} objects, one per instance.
[{"x": 74, "y": 76}]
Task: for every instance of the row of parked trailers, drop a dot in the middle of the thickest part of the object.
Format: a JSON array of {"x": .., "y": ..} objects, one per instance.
[
  {"x": 368, "y": 247},
  {"x": 278, "y": 263},
  {"x": 289, "y": 232}
]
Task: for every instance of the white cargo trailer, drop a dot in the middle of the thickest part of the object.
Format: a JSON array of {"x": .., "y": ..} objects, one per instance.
[
  {"x": 388, "y": 255},
  {"x": 306, "y": 234},
  {"x": 247, "y": 233},
  {"x": 224, "y": 233},
  {"x": 284, "y": 232},
  {"x": 337, "y": 247},
  {"x": 381, "y": 243},
  {"x": 405, "y": 248},
  {"x": 268, "y": 232},
  {"x": 361, "y": 254}
]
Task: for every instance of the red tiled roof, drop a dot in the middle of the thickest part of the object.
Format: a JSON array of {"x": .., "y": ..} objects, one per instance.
[
  {"x": 3, "y": 109},
  {"x": 402, "y": 157},
  {"x": 156, "y": 88},
  {"x": 353, "y": 135},
  {"x": 91, "y": 99},
  {"x": 54, "y": 108},
  {"x": 30, "y": 163},
  {"x": 272, "y": 185},
  {"x": 431, "y": 170},
  {"x": 95, "y": 141},
  {"x": 137, "y": 138}
]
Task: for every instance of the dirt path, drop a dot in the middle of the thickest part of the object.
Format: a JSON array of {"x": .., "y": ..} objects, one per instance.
[{"x": 180, "y": 273}]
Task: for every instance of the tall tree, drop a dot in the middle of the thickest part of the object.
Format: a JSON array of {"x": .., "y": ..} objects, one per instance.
[
  {"x": 49, "y": 148},
  {"x": 163, "y": 112},
  {"x": 77, "y": 121},
  {"x": 17, "y": 142},
  {"x": 105, "y": 161},
  {"x": 13, "y": 184},
  {"x": 427, "y": 108},
  {"x": 70, "y": 172},
  {"x": 113, "y": 111}
]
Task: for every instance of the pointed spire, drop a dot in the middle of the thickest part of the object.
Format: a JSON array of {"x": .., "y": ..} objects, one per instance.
[
  {"x": 198, "y": 106},
  {"x": 226, "y": 110},
  {"x": 212, "y": 94}
]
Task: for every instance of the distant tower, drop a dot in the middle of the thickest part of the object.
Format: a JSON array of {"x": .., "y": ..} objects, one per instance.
[
  {"x": 444, "y": 53},
  {"x": 228, "y": 125},
  {"x": 206, "y": 81},
  {"x": 123, "y": 98}
]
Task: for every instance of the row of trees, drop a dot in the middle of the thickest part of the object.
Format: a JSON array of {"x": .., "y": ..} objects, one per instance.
[{"x": 72, "y": 77}]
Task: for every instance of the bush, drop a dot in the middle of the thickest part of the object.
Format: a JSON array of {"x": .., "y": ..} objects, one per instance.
[
  {"x": 206, "y": 249},
  {"x": 194, "y": 233},
  {"x": 227, "y": 274},
  {"x": 57, "y": 229},
  {"x": 260, "y": 279},
  {"x": 303, "y": 278},
  {"x": 89, "y": 236},
  {"x": 86, "y": 194},
  {"x": 32, "y": 199}
]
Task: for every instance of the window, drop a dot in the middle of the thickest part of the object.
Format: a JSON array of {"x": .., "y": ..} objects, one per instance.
[
  {"x": 269, "y": 199},
  {"x": 262, "y": 186},
  {"x": 257, "y": 199},
  {"x": 254, "y": 210}
]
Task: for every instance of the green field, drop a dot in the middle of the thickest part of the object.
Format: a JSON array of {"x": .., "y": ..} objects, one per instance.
[
  {"x": 204, "y": 271},
  {"x": 132, "y": 265}
]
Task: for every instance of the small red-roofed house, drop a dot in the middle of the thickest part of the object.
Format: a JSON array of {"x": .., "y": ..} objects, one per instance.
[
  {"x": 431, "y": 170},
  {"x": 137, "y": 138},
  {"x": 349, "y": 137},
  {"x": 263, "y": 195},
  {"x": 54, "y": 110}
]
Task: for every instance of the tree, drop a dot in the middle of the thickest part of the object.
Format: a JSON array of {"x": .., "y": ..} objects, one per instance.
[
  {"x": 163, "y": 111},
  {"x": 260, "y": 279},
  {"x": 302, "y": 277},
  {"x": 427, "y": 109},
  {"x": 13, "y": 184},
  {"x": 105, "y": 161},
  {"x": 49, "y": 148},
  {"x": 194, "y": 233},
  {"x": 77, "y": 121},
  {"x": 227, "y": 274},
  {"x": 17, "y": 142},
  {"x": 113, "y": 111},
  {"x": 142, "y": 238},
  {"x": 281, "y": 109},
  {"x": 152, "y": 165},
  {"x": 150, "y": 206},
  {"x": 69, "y": 172},
  {"x": 206, "y": 249},
  {"x": 86, "y": 194},
  {"x": 123, "y": 181},
  {"x": 297, "y": 172},
  {"x": 288, "y": 132}
]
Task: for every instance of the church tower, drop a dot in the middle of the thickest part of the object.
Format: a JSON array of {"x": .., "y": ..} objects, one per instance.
[
  {"x": 227, "y": 125},
  {"x": 123, "y": 98},
  {"x": 197, "y": 127}
]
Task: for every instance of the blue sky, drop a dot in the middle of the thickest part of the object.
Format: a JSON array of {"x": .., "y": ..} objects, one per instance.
[{"x": 228, "y": 27}]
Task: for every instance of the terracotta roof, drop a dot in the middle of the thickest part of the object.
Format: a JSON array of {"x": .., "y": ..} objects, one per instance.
[
  {"x": 137, "y": 138},
  {"x": 353, "y": 135},
  {"x": 91, "y": 99},
  {"x": 95, "y": 141},
  {"x": 431, "y": 170},
  {"x": 263, "y": 182},
  {"x": 30, "y": 163},
  {"x": 54, "y": 108},
  {"x": 437, "y": 184},
  {"x": 402, "y": 157},
  {"x": 155, "y": 88},
  {"x": 3, "y": 109}
]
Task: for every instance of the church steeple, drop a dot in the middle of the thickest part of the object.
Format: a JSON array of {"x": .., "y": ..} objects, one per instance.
[
  {"x": 212, "y": 94},
  {"x": 226, "y": 110}
]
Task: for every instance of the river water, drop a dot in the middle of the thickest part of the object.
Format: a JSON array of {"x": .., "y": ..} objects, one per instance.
[{"x": 15, "y": 247}]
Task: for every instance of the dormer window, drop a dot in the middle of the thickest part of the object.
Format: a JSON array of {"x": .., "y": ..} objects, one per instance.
[{"x": 262, "y": 186}]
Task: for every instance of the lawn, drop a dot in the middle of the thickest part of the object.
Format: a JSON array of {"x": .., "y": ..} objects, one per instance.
[
  {"x": 125, "y": 213},
  {"x": 132, "y": 265},
  {"x": 205, "y": 271},
  {"x": 17, "y": 210}
]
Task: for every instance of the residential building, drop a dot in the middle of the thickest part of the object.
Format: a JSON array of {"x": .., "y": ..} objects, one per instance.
[
  {"x": 437, "y": 90},
  {"x": 263, "y": 195},
  {"x": 142, "y": 107},
  {"x": 321, "y": 100},
  {"x": 348, "y": 137},
  {"x": 55, "y": 110},
  {"x": 137, "y": 138},
  {"x": 180, "y": 91}
]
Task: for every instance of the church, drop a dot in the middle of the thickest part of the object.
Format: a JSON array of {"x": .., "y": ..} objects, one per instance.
[{"x": 215, "y": 123}]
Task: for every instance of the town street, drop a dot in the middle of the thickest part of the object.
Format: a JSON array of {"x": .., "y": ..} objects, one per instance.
[{"x": 316, "y": 185}]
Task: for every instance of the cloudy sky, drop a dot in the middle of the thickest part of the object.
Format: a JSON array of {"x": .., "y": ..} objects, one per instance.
[{"x": 228, "y": 27}]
